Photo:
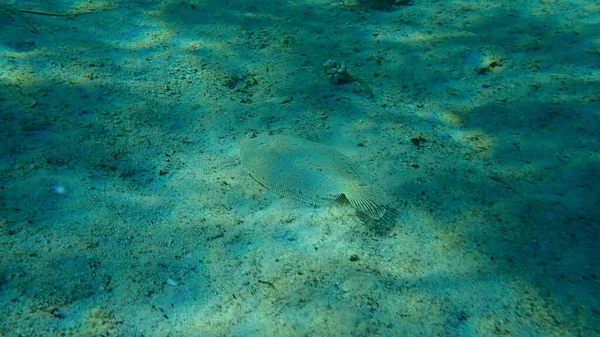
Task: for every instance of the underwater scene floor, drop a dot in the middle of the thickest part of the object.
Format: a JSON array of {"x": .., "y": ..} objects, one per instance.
[{"x": 126, "y": 209}]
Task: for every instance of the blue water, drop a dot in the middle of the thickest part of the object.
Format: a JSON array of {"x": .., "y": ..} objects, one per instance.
[{"x": 126, "y": 210}]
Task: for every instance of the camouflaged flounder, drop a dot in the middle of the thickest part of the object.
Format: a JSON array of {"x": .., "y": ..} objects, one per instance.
[{"x": 310, "y": 172}]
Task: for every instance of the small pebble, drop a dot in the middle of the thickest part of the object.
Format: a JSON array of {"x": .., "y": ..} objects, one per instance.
[{"x": 286, "y": 100}]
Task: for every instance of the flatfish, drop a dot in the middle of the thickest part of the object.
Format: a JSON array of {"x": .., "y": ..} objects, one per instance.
[{"x": 310, "y": 172}]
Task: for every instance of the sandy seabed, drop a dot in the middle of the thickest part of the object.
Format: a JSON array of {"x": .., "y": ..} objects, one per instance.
[{"x": 125, "y": 210}]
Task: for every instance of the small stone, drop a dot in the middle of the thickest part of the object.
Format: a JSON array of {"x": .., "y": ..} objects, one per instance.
[{"x": 286, "y": 100}]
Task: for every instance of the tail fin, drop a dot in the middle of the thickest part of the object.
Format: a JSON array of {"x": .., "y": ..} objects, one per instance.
[{"x": 370, "y": 201}]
